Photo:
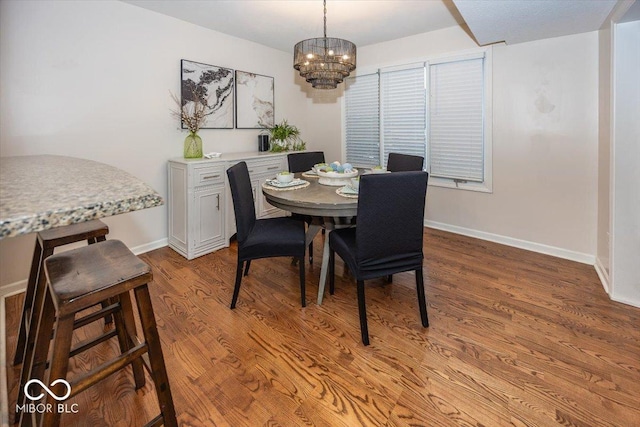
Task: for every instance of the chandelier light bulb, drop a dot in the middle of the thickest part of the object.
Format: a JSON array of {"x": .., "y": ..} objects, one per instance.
[
  {"x": 331, "y": 52},
  {"x": 310, "y": 55}
]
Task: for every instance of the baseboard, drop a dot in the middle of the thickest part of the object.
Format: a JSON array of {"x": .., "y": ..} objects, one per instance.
[
  {"x": 633, "y": 303},
  {"x": 603, "y": 276},
  {"x": 21, "y": 285},
  {"x": 516, "y": 243},
  {"x": 150, "y": 246},
  {"x": 13, "y": 288}
]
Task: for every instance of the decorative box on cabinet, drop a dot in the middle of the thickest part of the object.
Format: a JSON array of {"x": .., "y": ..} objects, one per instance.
[{"x": 200, "y": 207}]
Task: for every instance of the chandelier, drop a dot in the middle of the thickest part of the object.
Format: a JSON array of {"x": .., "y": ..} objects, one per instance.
[{"x": 324, "y": 61}]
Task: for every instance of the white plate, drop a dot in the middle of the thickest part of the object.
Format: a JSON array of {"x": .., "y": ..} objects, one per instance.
[
  {"x": 347, "y": 189},
  {"x": 278, "y": 184}
]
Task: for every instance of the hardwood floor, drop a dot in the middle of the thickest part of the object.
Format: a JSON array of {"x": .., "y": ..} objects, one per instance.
[{"x": 515, "y": 338}]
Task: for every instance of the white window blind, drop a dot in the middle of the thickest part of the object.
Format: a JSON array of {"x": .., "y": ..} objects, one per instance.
[
  {"x": 362, "y": 120},
  {"x": 456, "y": 148},
  {"x": 403, "y": 111}
]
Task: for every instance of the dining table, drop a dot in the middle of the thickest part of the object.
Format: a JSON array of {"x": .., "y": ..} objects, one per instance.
[
  {"x": 40, "y": 192},
  {"x": 327, "y": 204}
]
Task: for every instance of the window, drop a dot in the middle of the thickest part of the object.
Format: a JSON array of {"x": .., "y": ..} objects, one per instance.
[
  {"x": 438, "y": 109},
  {"x": 362, "y": 121},
  {"x": 403, "y": 108}
]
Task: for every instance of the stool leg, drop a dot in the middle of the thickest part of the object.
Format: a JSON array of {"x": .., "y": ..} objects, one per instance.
[
  {"x": 158, "y": 370},
  {"x": 27, "y": 305},
  {"x": 36, "y": 352},
  {"x": 108, "y": 319},
  {"x": 63, "y": 333},
  {"x": 126, "y": 328}
]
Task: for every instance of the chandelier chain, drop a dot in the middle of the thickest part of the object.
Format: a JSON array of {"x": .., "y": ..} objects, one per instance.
[{"x": 324, "y": 2}]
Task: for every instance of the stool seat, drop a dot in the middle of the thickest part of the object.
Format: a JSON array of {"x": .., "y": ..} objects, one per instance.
[
  {"x": 93, "y": 273},
  {"x": 72, "y": 233}
]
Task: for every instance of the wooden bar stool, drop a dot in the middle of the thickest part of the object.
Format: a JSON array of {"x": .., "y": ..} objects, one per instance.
[
  {"x": 79, "y": 279},
  {"x": 46, "y": 241}
]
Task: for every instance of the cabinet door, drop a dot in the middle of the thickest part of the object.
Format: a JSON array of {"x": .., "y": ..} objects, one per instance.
[{"x": 208, "y": 216}]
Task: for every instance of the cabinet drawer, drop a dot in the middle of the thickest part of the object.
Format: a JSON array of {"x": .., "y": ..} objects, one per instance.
[
  {"x": 265, "y": 166},
  {"x": 207, "y": 175}
]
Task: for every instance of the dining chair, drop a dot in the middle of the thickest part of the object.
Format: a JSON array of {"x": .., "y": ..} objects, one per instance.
[
  {"x": 303, "y": 162},
  {"x": 388, "y": 238},
  {"x": 261, "y": 238},
  {"x": 397, "y": 162}
]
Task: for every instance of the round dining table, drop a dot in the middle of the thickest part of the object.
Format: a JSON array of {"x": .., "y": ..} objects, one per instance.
[{"x": 319, "y": 201}]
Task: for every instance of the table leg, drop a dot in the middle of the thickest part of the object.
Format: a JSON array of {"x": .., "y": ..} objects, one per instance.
[
  {"x": 330, "y": 224},
  {"x": 325, "y": 261},
  {"x": 312, "y": 231}
]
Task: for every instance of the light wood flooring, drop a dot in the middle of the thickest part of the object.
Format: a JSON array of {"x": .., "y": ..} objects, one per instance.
[{"x": 515, "y": 338}]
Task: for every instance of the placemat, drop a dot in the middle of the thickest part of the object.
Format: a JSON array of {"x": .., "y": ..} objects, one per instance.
[
  {"x": 295, "y": 187},
  {"x": 339, "y": 192},
  {"x": 310, "y": 175}
]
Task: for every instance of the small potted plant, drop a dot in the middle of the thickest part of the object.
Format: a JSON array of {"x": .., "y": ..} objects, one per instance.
[{"x": 286, "y": 137}]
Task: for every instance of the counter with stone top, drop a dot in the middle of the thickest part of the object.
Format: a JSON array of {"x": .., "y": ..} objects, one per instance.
[{"x": 42, "y": 192}]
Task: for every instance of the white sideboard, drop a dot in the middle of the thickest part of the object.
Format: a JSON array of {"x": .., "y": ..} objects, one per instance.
[{"x": 201, "y": 217}]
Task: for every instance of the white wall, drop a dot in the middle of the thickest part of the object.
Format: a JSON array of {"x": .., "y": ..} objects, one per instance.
[
  {"x": 544, "y": 163},
  {"x": 92, "y": 79},
  {"x": 604, "y": 157},
  {"x": 625, "y": 268}
]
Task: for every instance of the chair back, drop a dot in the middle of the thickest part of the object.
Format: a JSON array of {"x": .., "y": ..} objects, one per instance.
[
  {"x": 243, "y": 204},
  {"x": 302, "y": 162},
  {"x": 390, "y": 221},
  {"x": 397, "y": 162}
]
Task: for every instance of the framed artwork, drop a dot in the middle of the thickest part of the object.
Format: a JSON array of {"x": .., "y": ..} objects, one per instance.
[
  {"x": 212, "y": 86},
  {"x": 254, "y": 101}
]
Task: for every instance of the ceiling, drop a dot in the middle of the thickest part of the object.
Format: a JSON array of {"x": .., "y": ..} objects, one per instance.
[
  {"x": 518, "y": 21},
  {"x": 282, "y": 23}
]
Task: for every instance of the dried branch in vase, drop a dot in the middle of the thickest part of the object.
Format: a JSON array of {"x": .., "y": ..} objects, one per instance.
[{"x": 191, "y": 114}]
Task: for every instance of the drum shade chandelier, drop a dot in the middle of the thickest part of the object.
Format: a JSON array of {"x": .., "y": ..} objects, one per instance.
[{"x": 324, "y": 61}]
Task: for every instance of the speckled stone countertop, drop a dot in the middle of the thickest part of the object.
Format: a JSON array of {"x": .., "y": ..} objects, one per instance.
[{"x": 42, "y": 192}]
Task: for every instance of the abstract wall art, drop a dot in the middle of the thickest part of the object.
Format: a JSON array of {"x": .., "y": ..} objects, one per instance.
[
  {"x": 254, "y": 101},
  {"x": 214, "y": 87}
]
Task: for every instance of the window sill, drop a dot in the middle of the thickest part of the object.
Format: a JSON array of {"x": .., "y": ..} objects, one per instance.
[{"x": 481, "y": 187}]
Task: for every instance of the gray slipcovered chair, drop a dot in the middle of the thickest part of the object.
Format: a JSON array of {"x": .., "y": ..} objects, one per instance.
[
  {"x": 397, "y": 162},
  {"x": 303, "y": 162},
  {"x": 388, "y": 238},
  {"x": 262, "y": 238}
]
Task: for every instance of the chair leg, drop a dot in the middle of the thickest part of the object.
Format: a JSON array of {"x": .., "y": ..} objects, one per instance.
[
  {"x": 303, "y": 293},
  {"x": 311, "y": 253},
  {"x": 58, "y": 367},
  {"x": 156, "y": 359},
  {"x": 27, "y": 305},
  {"x": 390, "y": 278},
  {"x": 332, "y": 266},
  {"x": 364, "y": 329},
  {"x": 126, "y": 328},
  {"x": 236, "y": 289},
  {"x": 107, "y": 320},
  {"x": 246, "y": 268},
  {"x": 421, "y": 298},
  {"x": 36, "y": 352}
]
